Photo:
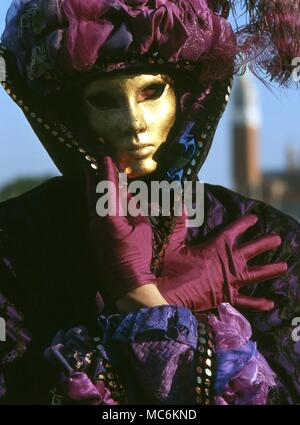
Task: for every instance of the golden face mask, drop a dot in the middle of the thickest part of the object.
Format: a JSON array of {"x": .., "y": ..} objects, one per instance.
[{"x": 132, "y": 115}]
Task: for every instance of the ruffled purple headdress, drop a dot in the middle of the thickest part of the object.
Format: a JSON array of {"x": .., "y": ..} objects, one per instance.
[
  {"x": 50, "y": 43},
  {"x": 50, "y": 37}
]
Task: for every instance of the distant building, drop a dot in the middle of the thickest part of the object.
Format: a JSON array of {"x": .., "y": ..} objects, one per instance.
[
  {"x": 278, "y": 188},
  {"x": 282, "y": 188}
]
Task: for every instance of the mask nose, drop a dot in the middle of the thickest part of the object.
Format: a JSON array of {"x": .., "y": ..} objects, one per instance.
[
  {"x": 136, "y": 120},
  {"x": 139, "y": 125}
]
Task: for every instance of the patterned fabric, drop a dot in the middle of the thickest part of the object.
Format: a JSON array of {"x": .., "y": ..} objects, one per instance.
[
  {"x": 242, "y": 375},
  {"x": 51, "y": 260}
]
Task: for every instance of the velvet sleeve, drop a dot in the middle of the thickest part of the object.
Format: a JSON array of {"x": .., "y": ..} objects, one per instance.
[{"x": 274, "y": 331}]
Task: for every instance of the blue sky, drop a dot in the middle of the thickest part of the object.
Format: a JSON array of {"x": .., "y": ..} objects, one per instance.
[{"x": 21, "y": 153}]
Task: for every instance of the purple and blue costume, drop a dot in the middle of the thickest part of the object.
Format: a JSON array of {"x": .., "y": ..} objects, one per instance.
[
  {"x": 38, "y": 274},
  {"x": 47, "y": 278}
]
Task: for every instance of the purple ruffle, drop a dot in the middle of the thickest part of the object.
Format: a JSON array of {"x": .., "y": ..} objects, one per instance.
[
  {"x": 230, "y": 362},
  {"x": 78, "y": 387},
  {"x": 243, "y": 375}
]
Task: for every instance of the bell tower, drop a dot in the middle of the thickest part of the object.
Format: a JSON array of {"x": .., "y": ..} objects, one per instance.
[{"x": 246, "y": 123}]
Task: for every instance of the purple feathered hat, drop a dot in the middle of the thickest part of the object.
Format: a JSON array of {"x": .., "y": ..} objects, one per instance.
[{"x": 50, "y": 44}]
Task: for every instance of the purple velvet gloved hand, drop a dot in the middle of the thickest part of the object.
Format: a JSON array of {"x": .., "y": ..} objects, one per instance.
[
  {"x": 122, "y": 246},
  {"x": 202, "y": 277}
]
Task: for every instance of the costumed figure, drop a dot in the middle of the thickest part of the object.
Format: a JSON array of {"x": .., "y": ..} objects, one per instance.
[{"x": 143, "y": 309}]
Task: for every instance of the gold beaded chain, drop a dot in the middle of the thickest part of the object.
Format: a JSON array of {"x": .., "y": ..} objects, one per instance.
[
  {"x": 111, "y": 380},
  {"x": 110, "y": 377},
  {"x": 204, "y": 365}
]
